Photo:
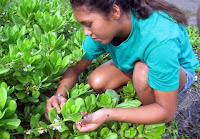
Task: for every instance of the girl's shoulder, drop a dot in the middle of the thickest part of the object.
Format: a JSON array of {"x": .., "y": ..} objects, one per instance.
[{"x": 161, "y": 26}]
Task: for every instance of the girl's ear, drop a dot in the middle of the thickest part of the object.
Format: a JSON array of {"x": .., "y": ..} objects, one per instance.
[{"x": 115, "y": 12}]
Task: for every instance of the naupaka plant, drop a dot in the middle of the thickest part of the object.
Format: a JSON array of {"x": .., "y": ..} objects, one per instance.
[
  {"x": 8, "y": 106},
  {"x": 71, "y": 112}
]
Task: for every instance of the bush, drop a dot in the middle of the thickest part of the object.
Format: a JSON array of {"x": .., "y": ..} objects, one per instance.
[{"x": 39, "y": 40}]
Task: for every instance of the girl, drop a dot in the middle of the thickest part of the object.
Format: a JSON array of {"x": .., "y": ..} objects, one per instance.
[{"x": 149, "y": 45}]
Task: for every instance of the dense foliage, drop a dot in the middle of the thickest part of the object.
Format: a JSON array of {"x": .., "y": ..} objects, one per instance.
[{"x": 39, "y": 40}]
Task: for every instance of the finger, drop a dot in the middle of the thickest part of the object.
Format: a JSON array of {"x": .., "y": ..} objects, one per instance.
[
  {"x": 85, "y": 127},
  {"x": 78, "y": 125},
  {"x": 86, "y": 120},
  {"x": 62, "y": 101},
  {"x": 84, "y": 113},
  {"x": 46, "y": 116},
  {"x": 48, "y": 107},
  {"x": 56, "y": 105}
]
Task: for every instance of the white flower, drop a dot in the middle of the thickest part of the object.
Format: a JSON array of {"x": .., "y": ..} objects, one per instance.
[
  {"x": 58, "y": 117},
  {"x": 45, "y": 130},
  {"x": 1, "y": 38},
  {"x": 41, "y": 131},
  {"x": 25, "y": 69},
  {"x": 52, "y": 10},
  {"x": 3, "y": 13},
  {"x": 28, "y": 132},
  {"x": 195, "y": 78},
  {"x": 20, "y": 53},
  {"x": 56, "y": 120},
  {"x": 28, "y": 66},
  {"x": 40, "y": 85},
  {"x": 57, "y": 127},
  {"x": 71, "y": 62},
  {"x": 31, "y": 52}
]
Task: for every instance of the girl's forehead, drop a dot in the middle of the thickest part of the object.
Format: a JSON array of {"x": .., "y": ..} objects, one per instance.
[
  {"x": 84, "y": 9},
  {"x": 86, "y": 13}
]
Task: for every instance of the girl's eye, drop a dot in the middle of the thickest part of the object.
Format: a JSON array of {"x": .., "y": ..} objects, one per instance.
[{"x": 88, "y": 25}]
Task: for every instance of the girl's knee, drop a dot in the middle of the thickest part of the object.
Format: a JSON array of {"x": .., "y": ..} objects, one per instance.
[
  {"x": 140, "y": 77},
  {"x": 96, "y": 82}
]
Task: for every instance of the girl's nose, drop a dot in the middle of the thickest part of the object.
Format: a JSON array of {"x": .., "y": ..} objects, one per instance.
[{"x": 87, "y": 32}]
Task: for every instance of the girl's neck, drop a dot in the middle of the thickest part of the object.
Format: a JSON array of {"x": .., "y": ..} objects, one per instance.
[{"x": 125, "y": 28}]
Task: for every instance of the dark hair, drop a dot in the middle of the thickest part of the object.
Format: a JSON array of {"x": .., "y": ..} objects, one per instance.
[{"x": 143, "y": 8}]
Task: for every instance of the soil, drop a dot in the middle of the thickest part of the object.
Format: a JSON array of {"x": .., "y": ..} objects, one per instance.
[{"x": 188, "y": 106}]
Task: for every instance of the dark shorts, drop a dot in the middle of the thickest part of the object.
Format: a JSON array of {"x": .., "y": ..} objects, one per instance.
[{"x": 190, "y": 79}]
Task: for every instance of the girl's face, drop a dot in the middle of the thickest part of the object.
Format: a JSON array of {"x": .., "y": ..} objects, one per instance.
[{"x": 100, "y": 28}]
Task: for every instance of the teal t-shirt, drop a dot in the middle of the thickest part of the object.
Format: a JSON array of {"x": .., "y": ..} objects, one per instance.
[{"x": 157, "y": 41}]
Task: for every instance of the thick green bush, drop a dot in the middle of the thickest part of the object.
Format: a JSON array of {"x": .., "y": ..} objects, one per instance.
[
  {"x": 8, "y": 106},
  {"x": 39, "y": 40}
]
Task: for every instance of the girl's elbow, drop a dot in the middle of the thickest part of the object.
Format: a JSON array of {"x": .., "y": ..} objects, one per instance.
[{"x": 169, "y": 117}]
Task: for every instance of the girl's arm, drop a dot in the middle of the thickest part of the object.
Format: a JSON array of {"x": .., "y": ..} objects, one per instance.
[
  {"x": 162, "y": 110},
  {"x": 69, "y": 79},
  {"x": 71, "y": 75}
]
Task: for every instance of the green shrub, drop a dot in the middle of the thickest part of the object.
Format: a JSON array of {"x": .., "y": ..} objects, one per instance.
[{"x": 8, "y": 106}]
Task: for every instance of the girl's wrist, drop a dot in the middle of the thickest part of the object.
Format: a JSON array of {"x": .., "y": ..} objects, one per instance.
[
  {"x": 59, "y": 95},
  {"x": 107, "y": 113}
]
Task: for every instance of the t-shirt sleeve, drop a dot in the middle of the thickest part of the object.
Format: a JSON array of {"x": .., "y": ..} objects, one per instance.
[
  {"x": 92, "y": 49},
  {"x": 164, "y": 67}
]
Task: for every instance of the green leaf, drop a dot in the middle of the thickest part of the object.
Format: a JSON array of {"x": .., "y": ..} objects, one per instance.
[
  {"x": 20, "y": 130},
  {"x": 65, "y": 61},
  {"x": 112, "y": 136},
  {"x": 112, "y": 94},
  {"x": 10, "y": 123},
  {"x": 20, "y": 87},
  {"x": 4, "y": 134},
  {"x": 64, "y": 128},
  {"x": 11, "y": 107},
  {"x": 124, "y": 126},
  {"x": 4, "y": 70},
  {"x": 79, "y": 102},
  {"x": 4, "y": 85},
  {"x": 46, "y": 85},
  {"x": 52, "y": 114},
  {"x": 32, "y": 99},
  {"x": 35, "y": 93},
  {"x": 129, "y": 104},
  {"x": 43, "y": 125},
  {"x": 130, "y": 133},
  {"x": 104, "y": 101},
  {"x": 23, "y": 79},
  {"x": 10, "y": 91},
  {"x": 75, "y": 117},
  {"x": 104, "y": 132},
  {"x": 3, "y": 96},
  {"x": 140, "y": 128},
  {"x": 34, "y": 120},
  {"x": 2, "y": 114},
  {"x": 154, "y": 130},
  {"x": 21, "y": 95}
]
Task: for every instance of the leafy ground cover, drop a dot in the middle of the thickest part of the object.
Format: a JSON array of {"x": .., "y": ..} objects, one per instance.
[{"x": 39, "y": 40}]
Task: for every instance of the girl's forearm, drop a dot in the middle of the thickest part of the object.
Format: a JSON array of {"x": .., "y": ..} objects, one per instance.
[
  {"x": 69, "y": 79},
  {"x": 149, "y": 114}
]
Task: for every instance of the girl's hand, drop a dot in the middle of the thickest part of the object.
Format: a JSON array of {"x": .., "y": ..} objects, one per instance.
[
  {"x": 92, "y": 121},
  {"x": 54, "y": 101}
]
